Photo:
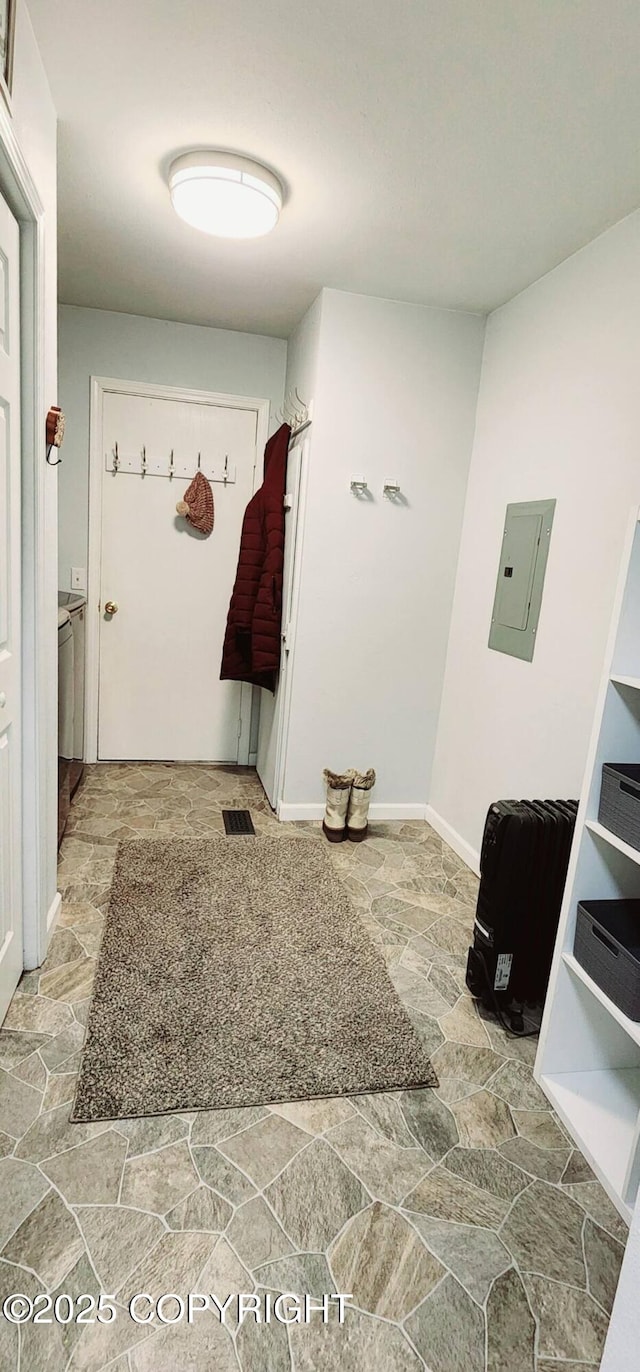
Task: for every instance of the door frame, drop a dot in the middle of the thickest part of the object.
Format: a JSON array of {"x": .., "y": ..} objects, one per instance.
[
  {"x": 38, "y": 698},
  {"x": 283, "y": 707},
  {"x": 276, "y": 722},
  {"x": 107, "y": 385}
]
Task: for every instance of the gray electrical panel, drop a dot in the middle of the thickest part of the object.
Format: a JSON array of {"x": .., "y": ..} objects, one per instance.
[{"x": 523, "y": 562}]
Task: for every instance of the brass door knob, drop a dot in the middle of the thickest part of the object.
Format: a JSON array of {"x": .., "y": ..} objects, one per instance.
[{"x": 110, "y": 607}]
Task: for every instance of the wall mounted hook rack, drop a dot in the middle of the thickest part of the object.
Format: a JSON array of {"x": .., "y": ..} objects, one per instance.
[
  {"x": 297, "y": 414},
  {"x": 145, "y": 464}
]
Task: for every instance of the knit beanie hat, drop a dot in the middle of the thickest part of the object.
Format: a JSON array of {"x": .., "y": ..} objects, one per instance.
[{"x": 197, "y": 504}]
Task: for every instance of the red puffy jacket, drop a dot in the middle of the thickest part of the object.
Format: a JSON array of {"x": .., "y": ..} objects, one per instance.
[{"x": 252, "y": 640}]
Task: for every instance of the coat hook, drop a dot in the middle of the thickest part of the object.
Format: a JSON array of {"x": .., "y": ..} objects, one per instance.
[
  {"x": 391, "y": 489},
  {"x": 171, "y": 465},
  {"x": 199, "y": 461},
  {"x": 116, "y": 457},
  {"x": 144, "y": 461},
  {"x": 226, "y": 467}
]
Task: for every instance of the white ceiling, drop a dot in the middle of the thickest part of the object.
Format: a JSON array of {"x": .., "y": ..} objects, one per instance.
[{"x": 446, "y": 152}]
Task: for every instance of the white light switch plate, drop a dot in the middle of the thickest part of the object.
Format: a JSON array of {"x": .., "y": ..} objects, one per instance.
[{"x": 78, "y": 578}]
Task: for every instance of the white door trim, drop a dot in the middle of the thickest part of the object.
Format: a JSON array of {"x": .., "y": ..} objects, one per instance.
[
  {"x": 101, "y": 386},
  {"x": 284, "y": 709},
  {"x": 39, "y": 827}
]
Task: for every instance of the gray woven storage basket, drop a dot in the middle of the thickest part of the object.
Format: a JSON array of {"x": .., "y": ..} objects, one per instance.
[
  {"x": 607, "y": 945},
  {"x": 620, "y": 801}
]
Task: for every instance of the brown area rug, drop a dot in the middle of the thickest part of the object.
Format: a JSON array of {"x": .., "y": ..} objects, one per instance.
[{"x": 236, "y": 972}]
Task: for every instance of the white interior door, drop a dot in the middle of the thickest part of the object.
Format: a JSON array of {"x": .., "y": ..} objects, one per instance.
[
  {"x": 274, "y": 709},
  {"x": 160, "y": 696},
  {"x": 10, "y": 678}
]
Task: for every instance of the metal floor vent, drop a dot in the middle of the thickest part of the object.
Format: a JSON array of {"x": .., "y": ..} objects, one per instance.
[{"x": 238, "y": 822}]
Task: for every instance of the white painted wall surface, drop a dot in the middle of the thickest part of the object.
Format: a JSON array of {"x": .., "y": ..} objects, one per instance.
[
  {"x": 303, "y": 352},
  {"x": 395, "y": 396},
  {"x": 103, "y": 343},
  {"x": 558, "y": 416},
  {"x": 34, "y": 120}
]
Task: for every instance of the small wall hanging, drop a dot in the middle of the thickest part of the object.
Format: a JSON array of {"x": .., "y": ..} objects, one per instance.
[
  {"x": 54, "y": 433},
  {"x": 197, "y": 504}
]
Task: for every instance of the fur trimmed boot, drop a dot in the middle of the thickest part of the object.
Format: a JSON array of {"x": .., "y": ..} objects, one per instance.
[
  {"x": 358, "y": 813},
  {"x": 338, "y": 792}
]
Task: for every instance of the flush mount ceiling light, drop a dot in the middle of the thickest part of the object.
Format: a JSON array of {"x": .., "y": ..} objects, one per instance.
[{"x": 229, "y": 196}]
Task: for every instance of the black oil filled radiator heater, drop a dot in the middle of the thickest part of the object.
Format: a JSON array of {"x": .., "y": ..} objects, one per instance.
[{"x": 523, "y": 868}]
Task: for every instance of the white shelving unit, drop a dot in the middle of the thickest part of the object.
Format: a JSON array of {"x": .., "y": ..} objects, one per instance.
[{"x": 588, "y": 1060}]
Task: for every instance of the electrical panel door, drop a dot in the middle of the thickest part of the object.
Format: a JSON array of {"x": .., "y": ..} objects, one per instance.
[{"x": 523, "y": 561}]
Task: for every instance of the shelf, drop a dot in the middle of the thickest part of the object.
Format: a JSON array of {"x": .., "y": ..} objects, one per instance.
[
  {"x": 581, "y": 1027},
  {"x": 633, "y": 681},
  {"x": 630, "y": 1026},
  {"x": 600, "y": 832},
  {"x": 600, "y": 1109}
]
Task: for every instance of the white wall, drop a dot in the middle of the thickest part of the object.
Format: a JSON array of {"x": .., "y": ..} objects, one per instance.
[
  {"x": 34, "y": 125},
  {"x": 303, "y": 352},
  {"x": 558, "y": 416},
  {"x": 395, "y": 392},
  {"x": 103, "y": 343}
]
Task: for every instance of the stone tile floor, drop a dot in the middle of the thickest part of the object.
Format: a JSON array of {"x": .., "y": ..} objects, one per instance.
[{"x": 472, "y": 1235}]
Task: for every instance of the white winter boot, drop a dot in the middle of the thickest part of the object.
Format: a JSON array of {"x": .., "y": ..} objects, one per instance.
[
  {"x": 335, "y": 815},
  {"x": 358, "y": 812}
]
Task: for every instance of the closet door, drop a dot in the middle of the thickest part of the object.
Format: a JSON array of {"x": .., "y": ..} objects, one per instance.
[{"x": 165, "y": 587}]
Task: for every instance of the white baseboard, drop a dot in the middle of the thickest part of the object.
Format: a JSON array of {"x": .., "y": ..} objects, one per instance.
[
  {"x": 388, "y": 813},
  {"x": 52, "y": 913},
  {"x": 45, "y": 936},
  {"x": 454, "y": 839},
  {"x": 377, "y": 812}
]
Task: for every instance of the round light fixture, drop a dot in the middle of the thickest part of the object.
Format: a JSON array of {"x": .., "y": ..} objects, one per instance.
[{"x": 229, "y": 196}]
